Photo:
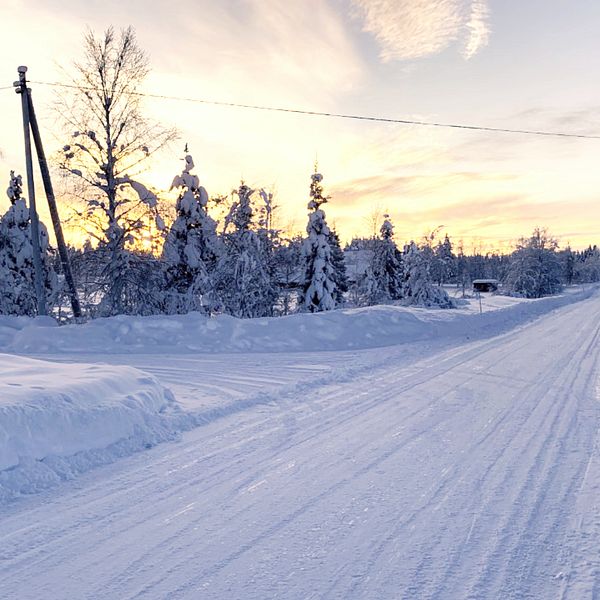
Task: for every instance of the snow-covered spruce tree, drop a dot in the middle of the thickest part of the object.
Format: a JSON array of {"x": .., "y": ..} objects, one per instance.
[
  {"x": 567, "y": 260},
  {"x": 443, "y": 262},
  {"x": 270, "y": 239},
  {"x": 266, "y": 217},
  {"x": 338, "y": 262},
  {"x": 535, "y": 269},
  {"x": 243, "y": 283},
  {"x": 17, "y": 274},
  {"x": 287, "y": 260},
  {"x": 110, "y": 144},
  {"x": 418, "y": 289},
  {"x": 384, "y": 274},
  {"x": 319, "y": 290},
  {"x": 191, "y": 247}
]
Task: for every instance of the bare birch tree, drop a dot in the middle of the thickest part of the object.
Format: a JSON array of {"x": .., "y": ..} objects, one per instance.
[{"x": 111, "y": 144}]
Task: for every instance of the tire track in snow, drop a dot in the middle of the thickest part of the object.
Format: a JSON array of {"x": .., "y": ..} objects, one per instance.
[
  {"x": 461, "y": 360},
  {"x": 414, "y": 590},
  {"x": 484, "y": 590},
  {"x": 462, "y": 357},
  {"x": 541, "y": 471}
]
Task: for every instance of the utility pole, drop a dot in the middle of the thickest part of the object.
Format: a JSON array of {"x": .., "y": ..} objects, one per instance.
[
  {"x": 60, "y": 240},
  {"x": 21, "y": 88}
]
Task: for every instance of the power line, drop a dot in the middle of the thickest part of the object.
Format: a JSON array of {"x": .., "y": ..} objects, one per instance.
[{"x": 315, "y": 113}]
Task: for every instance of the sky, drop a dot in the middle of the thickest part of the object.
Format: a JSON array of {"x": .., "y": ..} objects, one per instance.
[{"x": 527, "y": 64}]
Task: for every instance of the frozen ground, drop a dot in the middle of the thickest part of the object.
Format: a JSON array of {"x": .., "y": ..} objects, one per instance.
[{"x": 462, "y": 465}]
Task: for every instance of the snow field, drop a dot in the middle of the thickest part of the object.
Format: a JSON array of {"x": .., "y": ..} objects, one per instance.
[
  {"x": 339, "y": 330},
  {"x": 471, "y": 472},
  {"x": 60, "y": 419},
  {"x": 57, "y": 420}
]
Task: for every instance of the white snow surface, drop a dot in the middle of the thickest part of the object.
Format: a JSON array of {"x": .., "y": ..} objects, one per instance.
[
  {"x": 458, "y": 458},
  {"x": 337, "y": 330},
  {"x": 60, "y": 419}
]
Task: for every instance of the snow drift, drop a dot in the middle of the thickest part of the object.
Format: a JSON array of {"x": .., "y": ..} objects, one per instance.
[
  {"x": 60, "y": 419},
  {"x": 350, "y": 329}
]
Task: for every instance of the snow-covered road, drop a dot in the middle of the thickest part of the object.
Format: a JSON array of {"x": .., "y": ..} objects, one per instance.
[{"x": 472, "y": 472}]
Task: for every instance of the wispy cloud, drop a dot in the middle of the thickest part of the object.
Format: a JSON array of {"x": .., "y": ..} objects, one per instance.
[
  {"x": 428, "y": 188},
  {"x": 478, "y": 30},
  {"x": 410, "y": 29}
]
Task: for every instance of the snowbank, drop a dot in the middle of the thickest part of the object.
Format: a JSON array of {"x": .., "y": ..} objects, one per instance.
[
  {"x": 60, "y": 419},
  {"x": 335, "y": 330},
  {"x": 57, "y": 420}
]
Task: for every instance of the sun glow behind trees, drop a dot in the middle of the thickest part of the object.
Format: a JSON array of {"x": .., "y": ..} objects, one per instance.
[{"x": 482, "y": 187}]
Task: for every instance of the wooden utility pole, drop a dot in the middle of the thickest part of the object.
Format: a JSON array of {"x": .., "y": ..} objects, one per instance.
[
  {"x": 30, "y": 127},
  {"x": 21, "y": 88},
  {"x": 60, "y": 240}
]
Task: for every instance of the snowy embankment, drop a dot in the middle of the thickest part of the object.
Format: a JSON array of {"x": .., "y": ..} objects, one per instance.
[
  {"x": 338, "y": 330},
  {"x": 57, "y": 420}
]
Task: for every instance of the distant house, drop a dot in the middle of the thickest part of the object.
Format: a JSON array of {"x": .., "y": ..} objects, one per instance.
[{"x": 485, "y": 285}]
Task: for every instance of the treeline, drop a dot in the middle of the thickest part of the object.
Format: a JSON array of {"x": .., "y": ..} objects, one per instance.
[
  {"x": 221, "y": 254},
  {"x": 247, "y": 268},
  {"x": 537, "y": 267}
]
